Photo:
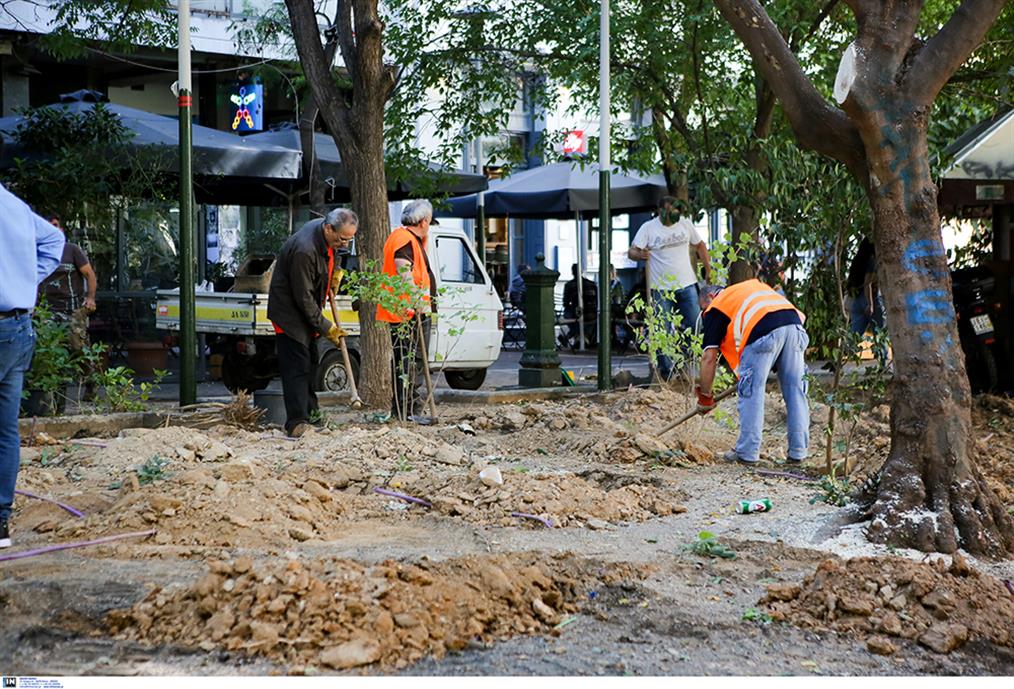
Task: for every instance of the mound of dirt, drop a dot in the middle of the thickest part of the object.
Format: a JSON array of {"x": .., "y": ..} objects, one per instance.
[
  {"x": 342, "y": 614},
  {"x": 939, "y": 606},
  {"x": 994, "y": 431},
  {"x": 566, "y": 499}
]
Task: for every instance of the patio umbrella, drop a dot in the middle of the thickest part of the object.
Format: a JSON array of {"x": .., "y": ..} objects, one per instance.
[
  {"x": 332, "y": 169},
  {"x": 216, "y": 153},
  {"x": 559, "y": 190}
]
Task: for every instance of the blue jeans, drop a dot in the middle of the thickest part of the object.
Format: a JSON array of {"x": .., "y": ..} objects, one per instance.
[
  {"x": 687, "y": 303},
  {"x": 17, "y": 341},
  {"x": 785, "y": 346}
]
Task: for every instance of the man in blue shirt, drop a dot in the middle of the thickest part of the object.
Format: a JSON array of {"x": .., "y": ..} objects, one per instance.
[{"x": 30, "y": 249}]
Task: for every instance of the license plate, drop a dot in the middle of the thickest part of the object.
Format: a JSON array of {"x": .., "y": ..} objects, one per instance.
[{"x": 982, "y": 324}]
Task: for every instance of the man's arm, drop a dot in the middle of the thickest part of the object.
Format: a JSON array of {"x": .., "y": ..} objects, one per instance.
[
  {"x": 93, "y": 282},
  {"x": 303, "y": 293},
  {"x": 49, "y": 243},
  {"x": 709, "y": 363},
  {"x": 705, "y": 258},
  {"x": 636, "y": 253}
]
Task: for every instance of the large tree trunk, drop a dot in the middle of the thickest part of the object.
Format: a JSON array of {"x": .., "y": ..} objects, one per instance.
[
  {"x": 744, "y": 229},
  {"x": 368, "y": 182},
  {"x": 930, "y": 495}
]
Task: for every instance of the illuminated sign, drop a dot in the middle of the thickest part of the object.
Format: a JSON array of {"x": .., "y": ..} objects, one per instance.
[
  {"x": 248, "y": 108},
  {"x": 576, "y": 143}
]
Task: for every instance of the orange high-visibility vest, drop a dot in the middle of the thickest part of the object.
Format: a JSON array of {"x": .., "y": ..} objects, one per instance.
[
  {"x": 745, "y": 304},
  {"x": 420, "y": 276}
]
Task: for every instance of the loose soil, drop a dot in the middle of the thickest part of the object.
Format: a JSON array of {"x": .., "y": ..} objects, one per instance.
[{"x": 278, "y": 556}]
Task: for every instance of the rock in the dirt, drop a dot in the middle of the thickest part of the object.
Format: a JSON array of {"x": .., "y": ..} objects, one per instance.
[
  {"x": 891, "y": 624},
  {"x": 944, "y": 638},
  {"x": 782, "y": 591},
  {"x": 511, "y": 420},
  {"x": 543, "y": 611},
  {"x": 351, "y": 654},
  {"x": 318, "y": 491},
  {"x": 449, "y": 454},
  {"x": 698, "y": 453},
  {"x": 598, "y": 524},
  {"x": 898, "y": 602},
  {"x": 264, "y": 635},
  {"x": 235, "y": 471},
  {"x": 880, "y": 645},
  {"x": 300, "y": 535}
]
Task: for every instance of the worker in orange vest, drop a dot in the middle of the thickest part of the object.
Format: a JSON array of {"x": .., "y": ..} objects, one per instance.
[
  {"x": 755, "y": 328},
  {"x": 405, "y": 256}
]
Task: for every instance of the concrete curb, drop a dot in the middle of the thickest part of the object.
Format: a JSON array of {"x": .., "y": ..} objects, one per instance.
[{"x": 90, "y": 425}]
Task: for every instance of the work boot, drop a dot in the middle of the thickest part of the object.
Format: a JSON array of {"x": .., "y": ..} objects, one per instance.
[
  {"x": 5, "y": 534},
  {"x": 732, "y": 456},
  {"x": 299, "y": 429}
]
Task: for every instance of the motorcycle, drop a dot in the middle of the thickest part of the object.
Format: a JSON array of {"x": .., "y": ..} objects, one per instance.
[{"x": 972, "y": 292}]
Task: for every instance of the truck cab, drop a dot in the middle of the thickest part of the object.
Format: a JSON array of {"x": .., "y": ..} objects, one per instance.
[{"x": 465, "y": 340}]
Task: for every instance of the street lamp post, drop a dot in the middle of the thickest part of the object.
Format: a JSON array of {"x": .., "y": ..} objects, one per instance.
[
  {"x": 188, "y": 325},
  {"x": 605, "y": 372}
]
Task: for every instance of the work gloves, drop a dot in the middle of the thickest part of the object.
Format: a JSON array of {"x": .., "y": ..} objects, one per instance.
[
  {"x": 335, "y": 334},
  {"x": 705, "y": 403},
  {"x": 336, "y": 280}
]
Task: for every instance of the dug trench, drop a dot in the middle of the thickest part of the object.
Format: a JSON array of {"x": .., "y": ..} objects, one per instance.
[{"x": 252, "y": 530}]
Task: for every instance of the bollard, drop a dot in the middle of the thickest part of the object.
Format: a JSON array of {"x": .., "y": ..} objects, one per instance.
[{"x": 540, "y": 364}]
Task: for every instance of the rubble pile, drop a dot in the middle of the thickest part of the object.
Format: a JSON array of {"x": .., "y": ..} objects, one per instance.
[
  {"x": 938, "y": 605},
  {"x": 565, "y": 499},
  {"x": 341, "y": 614}
]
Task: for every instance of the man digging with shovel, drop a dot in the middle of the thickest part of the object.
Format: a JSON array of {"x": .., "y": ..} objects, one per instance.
[
  {"x": 755, "y": 328},
  {"x": 303, "y": 277}
]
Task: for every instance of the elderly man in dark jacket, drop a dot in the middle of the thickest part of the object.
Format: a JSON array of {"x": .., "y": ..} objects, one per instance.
[{"x": 303, "y": 273}]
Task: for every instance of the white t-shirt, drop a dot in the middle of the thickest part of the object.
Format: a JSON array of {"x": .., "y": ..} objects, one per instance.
[{"x": 669, "y": 266}]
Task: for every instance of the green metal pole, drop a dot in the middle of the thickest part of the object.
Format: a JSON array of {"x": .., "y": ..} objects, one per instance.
[
  {"x": 188, "y": 320},
  {"x": 605, "y": 368}
]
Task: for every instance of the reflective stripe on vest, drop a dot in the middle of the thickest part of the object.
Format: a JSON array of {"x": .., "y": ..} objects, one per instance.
[{"x": 745, "y": 304}]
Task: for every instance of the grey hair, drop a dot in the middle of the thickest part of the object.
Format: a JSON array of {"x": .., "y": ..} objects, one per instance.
[
  {"x": 340, "y": 217},
  {"x": 416, "y": 211}
]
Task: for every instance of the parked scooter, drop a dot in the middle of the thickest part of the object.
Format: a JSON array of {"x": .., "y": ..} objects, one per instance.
[{"x": 973, "y": 289}]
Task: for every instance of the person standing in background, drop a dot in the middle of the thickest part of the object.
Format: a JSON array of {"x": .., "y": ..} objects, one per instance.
[{"x": 32, "y": 249}]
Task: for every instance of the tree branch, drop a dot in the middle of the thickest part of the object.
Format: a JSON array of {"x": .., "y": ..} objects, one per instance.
[
  {"x": 817, "y": 125},
  {"x": 343, "y": 23},
  {"x": 950, "y": 47}
]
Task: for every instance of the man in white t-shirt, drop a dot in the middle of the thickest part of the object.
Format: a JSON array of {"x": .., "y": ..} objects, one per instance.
[{"x": 665, "y": 243}]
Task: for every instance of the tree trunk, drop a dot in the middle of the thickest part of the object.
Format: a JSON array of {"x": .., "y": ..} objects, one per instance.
[
  {"x": 311, "y": 162},
  {"x": 368, "y": 183},
  {"x": 930, "y": 495},
  {"x": 744, "y": 229}
]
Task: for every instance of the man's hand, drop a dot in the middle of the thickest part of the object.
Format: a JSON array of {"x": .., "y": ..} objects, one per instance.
[
  {"x": 335, "y": 334},
  {"x": 336, "y": 280},
  {"x": 705, "y": 402},
  {"x": 89, "y": 304}
]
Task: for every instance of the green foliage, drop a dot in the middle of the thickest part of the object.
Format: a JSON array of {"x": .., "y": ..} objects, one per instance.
[
  {"x": 707, "y": 545},
  {"x": 154, "y": 469},
  {"x": 118, "y": 25},
  {"x": 120, "y": 391},
  {"x": 755, "y": 615},
  {"x": 833, "y": 491},
  {"x": 54, "y": 364}
]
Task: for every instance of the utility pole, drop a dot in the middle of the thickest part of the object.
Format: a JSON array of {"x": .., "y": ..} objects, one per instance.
[
  {"x": 605, "y": 369},
  {"x": 188, "y": 324},
  {"x": 480, "y": 208}
]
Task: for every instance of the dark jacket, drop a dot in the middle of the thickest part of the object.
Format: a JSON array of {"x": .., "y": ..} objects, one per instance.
[{"x": 299, "y": 284}]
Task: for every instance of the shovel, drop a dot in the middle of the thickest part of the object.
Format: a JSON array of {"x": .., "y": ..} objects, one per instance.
[
  {"x": 426, "y": 367},
  {"x": 356, "y": 402},
  {"x": 694, "y": 412}
]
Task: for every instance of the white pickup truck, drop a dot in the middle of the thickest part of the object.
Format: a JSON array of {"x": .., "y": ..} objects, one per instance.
[{"x": 241, "y": 337}]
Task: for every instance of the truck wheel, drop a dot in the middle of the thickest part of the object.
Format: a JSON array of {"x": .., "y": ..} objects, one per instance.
[
  {"x": 238, "y": 373},
  {"x": 331, "y": 374},
  {"x": 466, "y": 379}
]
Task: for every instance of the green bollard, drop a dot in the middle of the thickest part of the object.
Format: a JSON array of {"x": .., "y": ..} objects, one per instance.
[{"x": 540, "y": 364}]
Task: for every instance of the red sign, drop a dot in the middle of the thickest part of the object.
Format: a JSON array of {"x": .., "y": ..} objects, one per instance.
[{"x": 576, "y": 143}]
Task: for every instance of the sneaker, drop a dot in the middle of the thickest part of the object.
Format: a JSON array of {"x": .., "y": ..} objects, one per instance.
[
  {"x": 299, "y": 429},
  {"x": 5, "y": 534},
  {"x": 731, "y": 456}
]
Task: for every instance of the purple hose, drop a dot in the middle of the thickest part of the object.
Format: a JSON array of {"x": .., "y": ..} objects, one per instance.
[
  {"x": 76, "y": 513},
  {"x": 1009, "y": 585},
  {"x": 68, "y": 546},
  {"x": 785, "y": 474},
  {"x": 402, "y": 496},
  {"x": 524, "y": 515}
]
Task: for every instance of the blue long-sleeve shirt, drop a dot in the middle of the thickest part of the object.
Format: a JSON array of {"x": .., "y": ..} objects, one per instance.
[{"x": 30, "y": 250}]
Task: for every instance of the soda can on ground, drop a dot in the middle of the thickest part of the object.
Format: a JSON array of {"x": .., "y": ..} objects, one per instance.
[{"x": 748, "y": 506}]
